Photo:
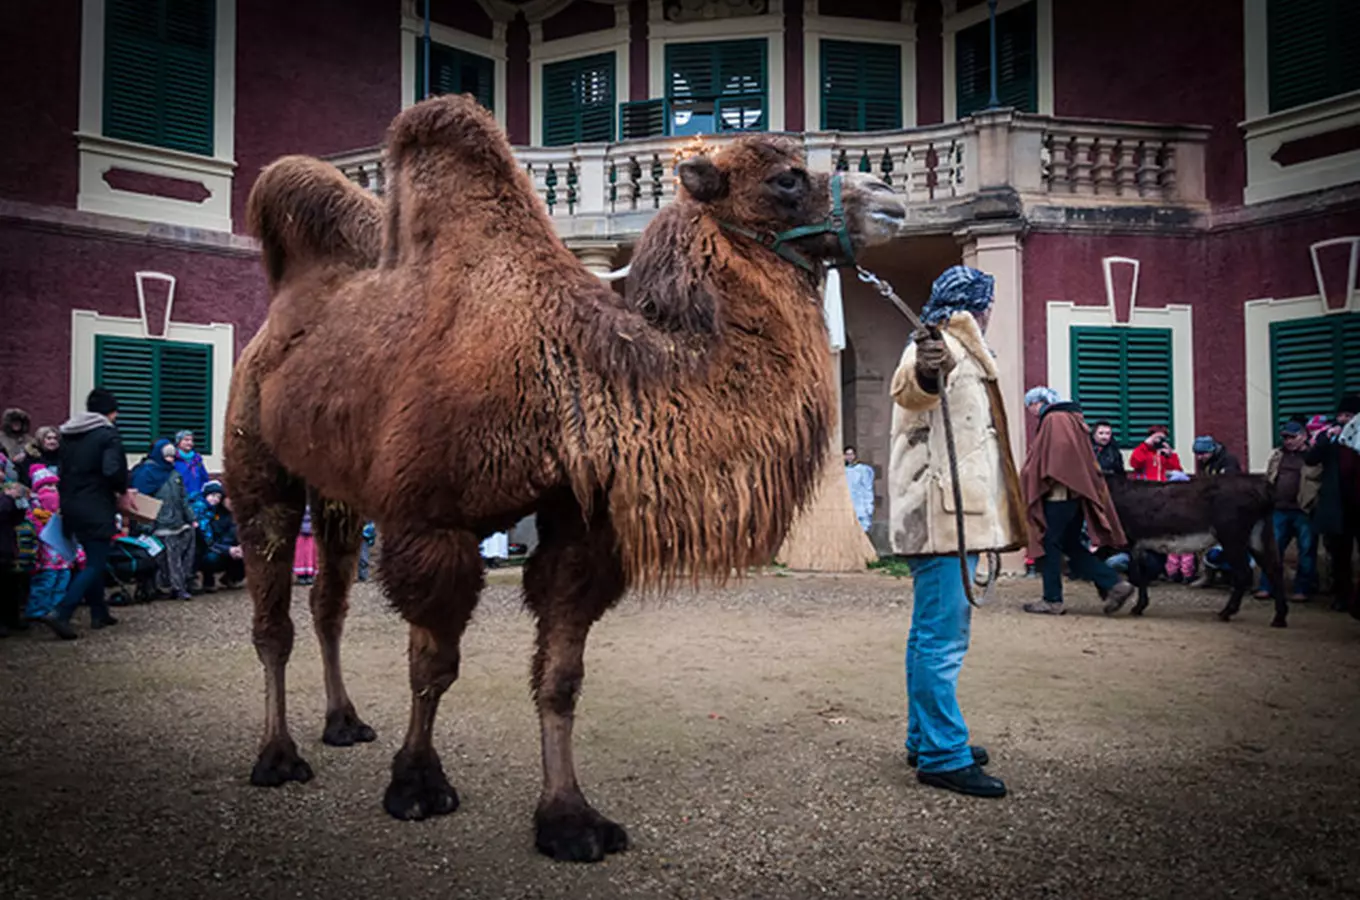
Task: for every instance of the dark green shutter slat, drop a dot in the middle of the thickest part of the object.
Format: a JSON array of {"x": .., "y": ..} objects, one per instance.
[
  {"x": 1017, "y": 68},
  {"x": 159, "y": 70},
  {"x": 1312, "y": 365},
  {"x": 861, "y": 86},
  {"x": 578, "y": 100},
  {"x": 1311, "y": 52},
  {"x": 1125, "y": 376},
  {"x": 643, "y": 118},
  {"x": 454, "y": 71},
  {"x": 162, "y": 387},
  {"x": 732, "y": 76}
]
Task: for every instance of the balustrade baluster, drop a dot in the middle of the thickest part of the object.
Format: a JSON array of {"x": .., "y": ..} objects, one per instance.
[
  {"x": 550, "y": 197},
  {"x": 885, "y": 166},
  {"x": 1168, "y": 170},
  {"x": 1102, "y": 166},
  {"x": 1082, "y": 161},
  {"x": 658, "y": 181},
  {"x": 842, "y": 164},
  {"x": 571, "y": 188},
  {"x": 1147, "y": 169},
  {"x": 1126, "y": 169},
  {"x": 634, "y": 182},
  {"x": 613, "y": 185}
]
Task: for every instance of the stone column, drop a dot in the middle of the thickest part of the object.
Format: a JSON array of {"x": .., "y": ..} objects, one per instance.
[
  {"x": 995, "y": 248},
  {"x": 597, "y": 256}
]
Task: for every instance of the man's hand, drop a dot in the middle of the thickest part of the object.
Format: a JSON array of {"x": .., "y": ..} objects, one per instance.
[{"x": 934, "y": 362}]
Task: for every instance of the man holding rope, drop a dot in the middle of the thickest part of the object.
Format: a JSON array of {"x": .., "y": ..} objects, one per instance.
[{"x": 949, "y": 355}]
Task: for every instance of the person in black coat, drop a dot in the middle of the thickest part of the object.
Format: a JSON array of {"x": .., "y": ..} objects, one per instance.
[
  {"x": 1108, "y": 457},
  {"x": 94, "y": 476},
  {"x": 1338, "y": 526},
  {"x": 1212, "y": 458}
]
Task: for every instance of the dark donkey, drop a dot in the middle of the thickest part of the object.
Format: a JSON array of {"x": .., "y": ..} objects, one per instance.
[{"x": 1233, "y": 511}]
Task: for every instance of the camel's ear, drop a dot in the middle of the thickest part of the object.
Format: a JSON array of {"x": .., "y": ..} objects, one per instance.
[{"x": 704, "y": 181}]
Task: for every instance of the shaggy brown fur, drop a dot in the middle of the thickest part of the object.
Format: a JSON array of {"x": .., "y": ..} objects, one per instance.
[
  {"x": 1233, "y": 511},
  {"x": 474, "y": 371}
]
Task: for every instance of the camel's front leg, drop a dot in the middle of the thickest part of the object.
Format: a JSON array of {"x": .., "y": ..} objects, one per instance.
[
  {"x": 338, "y": 533},
  {"x": 434, "y": 579},
  {"x": 571, "y": 581}
]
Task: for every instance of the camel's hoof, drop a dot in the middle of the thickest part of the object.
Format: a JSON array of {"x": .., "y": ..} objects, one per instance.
[
  {"x": 577, "y": 835},
  {"x": 279, "y": 764},
  {"x": 344, "y": 729},
  {"x": 1279, "y": 622},
  {"x": 419, "y": 790}
]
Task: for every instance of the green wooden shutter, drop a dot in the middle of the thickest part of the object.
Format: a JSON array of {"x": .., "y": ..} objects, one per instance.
[
  {"x": 578, "y": 100},
  {"x": 723, "y": 79},
  {"x": 184, "y": 388},
  {"x": 1311, "y": 51},
  {"x": 162, "y": 387},
  {"x": 454, "y": 71},
  {"x": 159, "y": 70},
  {"x": 1017, "y": 83},
  {"x": 1311, "y": 366},
  {"x": 643, "y": 118},
  {"x": 861, "y": 86},
  {"x": 1124, "y": 375},
  {"x": 127, "y": 367}
]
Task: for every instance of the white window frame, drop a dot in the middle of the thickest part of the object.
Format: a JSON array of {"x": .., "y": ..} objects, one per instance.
[
  {"x": 1266, "y": 131},
  {"x": 1258, "y": 316},
  {"x": 769, "y": 26},
  {"x": 1062, "y": 317},
  {"x": 87, "y": 325},
  {"x": 818, "y": 28},
  {"x": 611, "y": 40},
  {"x": 492, "y": 48},
  {"x": 99, "y": 154},
  {"x": 956, "y": 20}
]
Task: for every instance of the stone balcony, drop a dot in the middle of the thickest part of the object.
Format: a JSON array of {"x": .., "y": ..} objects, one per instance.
[{"x": 999, "y": 163}]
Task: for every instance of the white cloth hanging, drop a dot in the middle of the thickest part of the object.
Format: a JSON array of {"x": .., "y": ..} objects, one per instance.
[{"x": 834, "y": 310}]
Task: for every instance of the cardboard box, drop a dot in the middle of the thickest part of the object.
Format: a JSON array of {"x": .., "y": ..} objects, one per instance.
[{"x": 142, "y": 507}]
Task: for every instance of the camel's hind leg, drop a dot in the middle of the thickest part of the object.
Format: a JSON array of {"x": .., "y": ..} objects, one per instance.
[
  {"x": 338, "y": 532},
  {"x": 572, "y": 579},
  {"x": 434, "y": 579},
  {"x": 269, "y": 504}
]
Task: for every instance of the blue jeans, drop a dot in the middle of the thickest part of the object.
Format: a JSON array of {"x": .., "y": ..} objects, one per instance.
[
  {"x": 46, "y": 590},
  {"x": 940, "y": 618},
  {"x": 1065, "y": 535},
  {"x": 89, "y": 584},
  {"x": 1291, "y": 524}
]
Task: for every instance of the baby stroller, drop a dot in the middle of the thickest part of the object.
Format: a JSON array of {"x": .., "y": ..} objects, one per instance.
[{"x": 132, "y": 570}]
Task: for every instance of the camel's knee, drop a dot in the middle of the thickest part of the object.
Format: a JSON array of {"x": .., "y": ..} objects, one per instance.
[
  {"x": 557, "y": 687},
  {"x": 435, "y": 659}
]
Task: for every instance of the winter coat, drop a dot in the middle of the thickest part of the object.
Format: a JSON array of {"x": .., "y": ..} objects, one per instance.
[
  {"x": 216, "y": 526},
  {"x": 1329, "y": 515},
  {"x": 1221, "y": 463},
  {"x": 1152, "y": 465},
  {"x": 1110, "y": 460},
  {"x": 192, "y": 471},
  {"x": 1060, "y": 455},
  {"x": 921, "y": 510},
  {"x": 12, "y": 444},
  {"x": 12, "y": 514},
  {"x": 1309, "y": 483},
  {"x": 861, "y": 479},
  {"x": 176, "y": 514},
  {"x": 93, "y": 473}
]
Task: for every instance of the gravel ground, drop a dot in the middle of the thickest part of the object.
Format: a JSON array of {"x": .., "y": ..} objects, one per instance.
[{"x": 750, "y": 740}]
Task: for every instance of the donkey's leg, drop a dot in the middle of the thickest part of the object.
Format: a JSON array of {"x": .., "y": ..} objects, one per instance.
[
  {"x": 572, "y": 579},
  {"x": 1139, "y": 576},
  {"x": 1239, "y": 566},
  {"x": 338, "y": 533},
  {"x": 269, "y": 504},
  {"x": 433, "y": 578}
]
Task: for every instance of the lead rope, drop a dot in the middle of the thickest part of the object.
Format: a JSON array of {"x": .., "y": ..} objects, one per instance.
[{"x": 887, "y": 291}]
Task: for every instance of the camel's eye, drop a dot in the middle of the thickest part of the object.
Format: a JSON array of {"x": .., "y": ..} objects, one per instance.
[{"x": 789, "y": 186}]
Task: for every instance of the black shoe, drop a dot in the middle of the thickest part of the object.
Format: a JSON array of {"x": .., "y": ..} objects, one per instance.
[
  {"x": 980, "y": 757},
  {"x": 102, "y": 621},
  {"x": 61, "y": 629},
  {"x": 970, "y": 780}
]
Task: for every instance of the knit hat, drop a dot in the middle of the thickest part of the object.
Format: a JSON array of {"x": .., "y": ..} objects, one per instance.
[
  {"x": 1291, "y": 427},
  {"x": 42, "y": 477},
  {"x": 958, "y": 289},
  {"x": 1044, "y": 396},
  {"x": 1204, "y": 444},
  {"x": 213, "y": 487}
]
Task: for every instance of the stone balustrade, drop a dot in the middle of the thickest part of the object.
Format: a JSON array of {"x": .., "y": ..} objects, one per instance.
[{"x": 599, "y": 190}]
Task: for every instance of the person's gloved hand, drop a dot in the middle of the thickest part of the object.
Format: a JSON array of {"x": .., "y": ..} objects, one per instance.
[{"x": 934, "y": 362}]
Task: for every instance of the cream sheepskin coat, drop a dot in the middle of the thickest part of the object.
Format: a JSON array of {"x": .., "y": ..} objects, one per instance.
[{"x": 921, "y": 515}]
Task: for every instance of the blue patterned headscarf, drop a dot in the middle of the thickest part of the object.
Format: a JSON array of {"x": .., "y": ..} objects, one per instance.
[
  {"x": 1044, "y": 396},
  {"x": 958, "y": 289}
]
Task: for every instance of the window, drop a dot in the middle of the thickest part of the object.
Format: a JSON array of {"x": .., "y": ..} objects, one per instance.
[
  {"x": 1017, "y": 83},
  {"x": 159, "y": 66},
  {"x": 454, "y": 71},
  {"x": 1125, "y": 376},
  {"x": 719, "y": 86},
  {"x": 162, "y": 387},
  {"x": 1311, "y": 50},
  {"x": 1308, "y": 375},
  {"x": 578, "y": 100},
  {"x": 861, "y": 86}
]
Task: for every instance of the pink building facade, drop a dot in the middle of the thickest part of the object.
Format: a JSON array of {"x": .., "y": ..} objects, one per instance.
[{"x": 1169, "y": 197}]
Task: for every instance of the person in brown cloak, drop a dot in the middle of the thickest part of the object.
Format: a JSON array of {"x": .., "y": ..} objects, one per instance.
[{"x": 1064, "y": 490}]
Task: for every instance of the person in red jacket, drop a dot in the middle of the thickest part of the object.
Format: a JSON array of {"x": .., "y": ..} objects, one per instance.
[{"x": 1154, "y": 458}]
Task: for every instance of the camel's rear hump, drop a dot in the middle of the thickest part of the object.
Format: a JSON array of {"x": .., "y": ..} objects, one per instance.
[{"x": 305, "y": 212}]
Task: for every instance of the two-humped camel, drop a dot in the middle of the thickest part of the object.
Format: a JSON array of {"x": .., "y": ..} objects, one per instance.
[{"x": 441, "y": 363}]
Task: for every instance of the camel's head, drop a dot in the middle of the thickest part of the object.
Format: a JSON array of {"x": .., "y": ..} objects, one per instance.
[{"x": 759, "y": 187}]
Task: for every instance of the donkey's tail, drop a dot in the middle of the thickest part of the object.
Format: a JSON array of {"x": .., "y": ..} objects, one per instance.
[{"x": 305, "y": 212}]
